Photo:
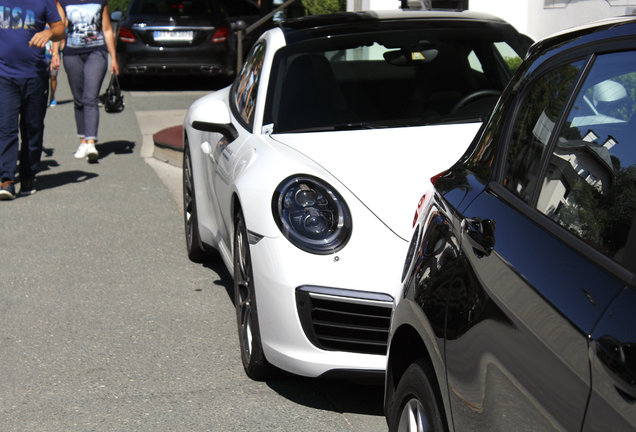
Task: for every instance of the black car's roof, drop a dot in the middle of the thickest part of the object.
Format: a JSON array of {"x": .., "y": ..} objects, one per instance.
[
  {"x": 617, "y": 27},
  {"x": 298, "y": 29}
]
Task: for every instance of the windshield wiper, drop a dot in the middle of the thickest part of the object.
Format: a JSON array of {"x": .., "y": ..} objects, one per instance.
[
  {"x": 354, "y": 126},
  {"x": 330, "y": 128},
  {"x": 384, "y": 124}
]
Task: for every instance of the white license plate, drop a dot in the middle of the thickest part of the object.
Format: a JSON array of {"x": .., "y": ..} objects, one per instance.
[{"x": 181, "y": 36}]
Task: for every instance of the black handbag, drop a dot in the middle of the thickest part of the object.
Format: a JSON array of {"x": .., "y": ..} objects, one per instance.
[{"x": 113, "y": 100}]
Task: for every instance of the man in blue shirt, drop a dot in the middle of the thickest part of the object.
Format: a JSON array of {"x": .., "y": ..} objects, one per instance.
[{"x": 24, "y": 88}]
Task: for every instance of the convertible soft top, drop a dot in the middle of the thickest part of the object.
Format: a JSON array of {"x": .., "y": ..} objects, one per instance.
[{"x": 309, "y": 27}]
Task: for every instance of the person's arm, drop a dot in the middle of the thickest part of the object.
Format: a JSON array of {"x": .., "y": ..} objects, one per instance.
[
  {"x": 54, "y": 33},
  {"x": 109, "y": 38},
  {"x": 60, "y": 10},
  {"x": 55, "y": 59}
]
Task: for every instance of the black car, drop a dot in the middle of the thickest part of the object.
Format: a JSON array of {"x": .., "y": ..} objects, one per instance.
[
  {"x": 175, "y": 37},
  {"x": 518, "y": 306}
]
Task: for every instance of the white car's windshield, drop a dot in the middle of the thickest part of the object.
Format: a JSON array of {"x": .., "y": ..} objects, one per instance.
[{"x": 390, "y": 78}]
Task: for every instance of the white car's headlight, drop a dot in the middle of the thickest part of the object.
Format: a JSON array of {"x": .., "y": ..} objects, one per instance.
[{"x": 311, "y": 214}]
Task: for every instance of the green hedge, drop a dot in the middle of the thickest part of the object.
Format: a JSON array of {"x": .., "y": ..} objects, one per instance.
[
  {"x": 312, "y": 7},
  {"x": 118, "y": 5},
  {"x": 317, "y": 7}
]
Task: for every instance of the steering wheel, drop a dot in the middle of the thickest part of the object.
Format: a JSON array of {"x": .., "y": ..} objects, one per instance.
[{"x": 471, "y": 97}]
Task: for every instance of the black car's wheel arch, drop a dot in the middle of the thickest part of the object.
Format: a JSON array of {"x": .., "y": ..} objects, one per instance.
[{"x": 407, "y": 347}]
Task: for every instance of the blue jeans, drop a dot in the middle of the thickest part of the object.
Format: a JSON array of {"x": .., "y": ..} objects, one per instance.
[
  {"x": 85, "y": 74},
  {"x": 22, "y": 109}
]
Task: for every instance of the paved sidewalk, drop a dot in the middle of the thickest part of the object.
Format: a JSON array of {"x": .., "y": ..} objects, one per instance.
[
  {"x": 165, "y": 164},
  {"x": 105, "y": 325}
]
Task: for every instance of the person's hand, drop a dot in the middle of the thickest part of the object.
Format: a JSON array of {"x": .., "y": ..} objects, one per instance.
[
  {"x": 55, "y": 62},
  {"x": 41, "y": 38},
  {"x": 114, "y": 67}
]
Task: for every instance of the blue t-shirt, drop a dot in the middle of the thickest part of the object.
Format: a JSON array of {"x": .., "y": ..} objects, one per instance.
[
  {"x": 19, "y": 21},
  {"x": 84, "y": 32}
]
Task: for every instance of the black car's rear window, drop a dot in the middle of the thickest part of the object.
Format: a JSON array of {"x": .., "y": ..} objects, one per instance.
[
  {"x": 174, "y": 7},
  {"x": 391, "y": 77}
]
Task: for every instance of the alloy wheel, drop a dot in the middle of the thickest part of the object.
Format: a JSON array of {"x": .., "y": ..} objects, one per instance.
[
  {"x": 196, "y": 251},
  {"x": 413, "y": 418},
  {"x": 254, "y": 362},
  {"x": 188, "y": 193},
  {"x": 244, "y": 300}
]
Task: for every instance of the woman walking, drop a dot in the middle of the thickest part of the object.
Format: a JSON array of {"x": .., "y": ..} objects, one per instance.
[{"x": 89, "y": 41}]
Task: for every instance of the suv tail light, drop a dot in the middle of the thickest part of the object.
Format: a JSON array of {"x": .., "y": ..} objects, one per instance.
[
  {"x": 126, "y": 35},
  {"x": 220, "y": 35}
]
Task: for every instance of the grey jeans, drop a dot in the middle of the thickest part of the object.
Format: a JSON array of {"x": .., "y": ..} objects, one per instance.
[{"x": 85, "y": 74}]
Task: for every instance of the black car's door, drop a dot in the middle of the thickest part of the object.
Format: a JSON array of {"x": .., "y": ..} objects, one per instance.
[
  {"x": 516, "y": 345},
  {"x": 541, "y": 255},
  {"x": 613, "y": 354},
  {"x": 611, "y": 89}
]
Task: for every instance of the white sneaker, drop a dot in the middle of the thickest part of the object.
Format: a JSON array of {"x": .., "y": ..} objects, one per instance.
[
  {"x": 81, "y": 151},
  {"x": 91, "y": 152}
]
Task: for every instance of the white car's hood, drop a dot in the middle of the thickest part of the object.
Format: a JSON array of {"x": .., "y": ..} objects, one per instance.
[{"x": 387, "y": 169}]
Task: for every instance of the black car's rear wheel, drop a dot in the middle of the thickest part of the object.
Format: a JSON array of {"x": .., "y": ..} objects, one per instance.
[
  {"x": 252, "y": 356},
  {"x": 195, "y": 248},
  {"x": 416, "y": 404}
]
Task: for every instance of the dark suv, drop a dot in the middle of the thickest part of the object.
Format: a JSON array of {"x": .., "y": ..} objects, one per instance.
[
  {"x": 518, "y": 306},
  {"x": 174, "y": 37}
]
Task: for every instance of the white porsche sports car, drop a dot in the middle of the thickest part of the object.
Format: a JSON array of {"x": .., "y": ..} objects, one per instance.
[{"x": 303, "y": 174}]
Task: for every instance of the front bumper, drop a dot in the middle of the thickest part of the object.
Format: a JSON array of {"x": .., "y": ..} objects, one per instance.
[{"x": 326, "y": 315}]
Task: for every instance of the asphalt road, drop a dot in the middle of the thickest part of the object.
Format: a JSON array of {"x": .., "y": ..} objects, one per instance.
[{"x": 104, "y": 323}]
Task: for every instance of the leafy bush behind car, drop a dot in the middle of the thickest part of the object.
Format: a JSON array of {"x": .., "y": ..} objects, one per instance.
[
  {"x": 312, "y": 7},
  {"x": 317, "y": 7},
  {"x": 118, "y": 5}
]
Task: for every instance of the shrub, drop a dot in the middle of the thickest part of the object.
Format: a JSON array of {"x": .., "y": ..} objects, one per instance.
[
  {"x": 118, "y": 5},
  {"x": 318, "y": 7}
]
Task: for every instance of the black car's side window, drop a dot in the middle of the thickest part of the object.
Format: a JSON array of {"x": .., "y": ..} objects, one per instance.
[
  {"x": 539, "y": 110},
  {"x": 246, "y": 86},
  {"x": 590, "y": 184}
]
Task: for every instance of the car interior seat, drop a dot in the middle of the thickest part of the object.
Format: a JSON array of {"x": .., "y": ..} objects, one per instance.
[
  {"x": 440, "y": 84},
  {"x": 310, "y": 97}
]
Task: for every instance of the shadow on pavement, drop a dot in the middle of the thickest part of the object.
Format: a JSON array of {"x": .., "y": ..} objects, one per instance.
[
  {"x": 50, "y": 181},
  {"x": 225, "y": 280},
  {"x": 332, "y": 395},
  {"x": 114, "y": 147}
]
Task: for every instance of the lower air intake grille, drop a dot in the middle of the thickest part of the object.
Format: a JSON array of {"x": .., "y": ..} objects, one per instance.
[{"x": 345, "y": 320}]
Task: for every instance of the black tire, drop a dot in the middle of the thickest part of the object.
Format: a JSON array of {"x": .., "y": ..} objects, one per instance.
[
  {"x": 194, "y": 246},
  {"x": 416, "y": 405},
  {"x": 254, "y": 362}
]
